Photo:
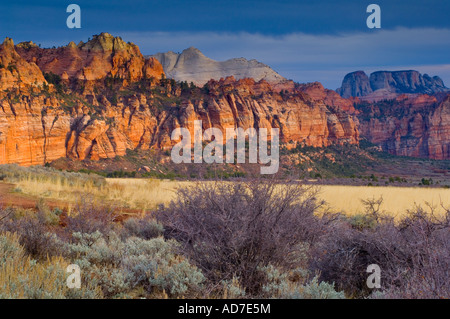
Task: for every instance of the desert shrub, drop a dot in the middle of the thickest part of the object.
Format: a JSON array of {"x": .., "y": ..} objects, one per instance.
[
  {"x": 45, "y": 215},
  {"x": 426, "y": 245},
  {"x": 316, "y": 290},
  {"x": 362, "y": 221},
  {"x": 281, "y": 284},
  {"x": 119, "y": 266},
  {"x": 34, "y": 232},
  {"x": 89, "y": 216},
  {"x": 231, "y": 289},
  {"x": 15, "y": 213},
  {"x": 233, "y": 229},
  {"x": 23, "y": 277},
  {"x": 99, "y": 260},
  {"x": 10, "y": 248},
  {"x": 373, "y": 213},
  {"x": 176, "y": 276},
  {"x": 4, "y": 214},
  {"x": 295, "y": 284},
  {"x": 57, "y": 211},
  {"x": 111, "y": 280},
  {"x": 146, "y": 228},
  {"x": 36, "y": 239},
  {"x": 155, "y": 265},
  {"x": 413, "y": 255}
]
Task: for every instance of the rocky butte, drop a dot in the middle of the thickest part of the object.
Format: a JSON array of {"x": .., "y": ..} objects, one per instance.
[
  {"x": 387, "y": 85},
  {"x": 98, "y": 99}
]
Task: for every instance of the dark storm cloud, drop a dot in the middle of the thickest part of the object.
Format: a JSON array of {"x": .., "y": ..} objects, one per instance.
[{"x": 302, "y": 40}]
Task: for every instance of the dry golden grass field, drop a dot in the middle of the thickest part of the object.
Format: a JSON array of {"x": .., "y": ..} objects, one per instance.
[
  {"x": 396, "y": 200},
  {"x": 145, "y": 194}
]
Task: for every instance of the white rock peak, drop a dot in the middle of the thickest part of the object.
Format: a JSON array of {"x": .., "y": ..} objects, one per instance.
[{"x": 192, "y": 65}]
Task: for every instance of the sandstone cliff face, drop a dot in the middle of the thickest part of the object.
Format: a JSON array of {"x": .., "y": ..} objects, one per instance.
[
  {"x": 246, "y": 103},
  {"x": 37, "y": 125},
  {"x": 387, "y": 85},
  {"x": 32, "y": 130},
  {"x": 16, "y": 72},
  {"x": 415, "y": 126},
  {"x": 318, "y": 93},
  {"x": 193, "y": 65},
  {"x": 36, "y": 129}
]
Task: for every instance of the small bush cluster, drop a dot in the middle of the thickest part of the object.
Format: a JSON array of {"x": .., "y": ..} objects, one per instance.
[
  {"x": 119, "y": 266},
  {"x": 88, "y": 216},
  {"x": 33, "y": 229},
  {"x": 146, "y": 228},
  {"x": 116, "y": 261},
  {"x": 295, "y": 284},
  {"x": 22, "y": 277}
]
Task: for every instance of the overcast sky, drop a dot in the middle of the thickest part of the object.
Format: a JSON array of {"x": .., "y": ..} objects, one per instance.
[{"x": 302, "y": 40}]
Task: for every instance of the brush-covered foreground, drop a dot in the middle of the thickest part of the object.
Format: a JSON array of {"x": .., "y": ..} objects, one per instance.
[{"x": 252, "y": 239}]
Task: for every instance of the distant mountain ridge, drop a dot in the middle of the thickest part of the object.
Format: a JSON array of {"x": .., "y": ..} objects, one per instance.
[
  {"x": 192, "y": 65},
  {"x": 386, "y": 83}
]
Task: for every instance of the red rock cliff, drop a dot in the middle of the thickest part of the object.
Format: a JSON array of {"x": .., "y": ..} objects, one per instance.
[
  {"x": 103, "y": 97},
  {"x": 140, "y": 110},
  {"x": 39, "y": 129},
  {"x": 416, "y": 126}
]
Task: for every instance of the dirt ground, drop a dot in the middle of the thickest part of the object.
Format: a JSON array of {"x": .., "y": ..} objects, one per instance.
[{"x": 10, "y": 198}]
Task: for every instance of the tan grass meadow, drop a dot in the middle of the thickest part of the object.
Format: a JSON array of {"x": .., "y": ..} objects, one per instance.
[{"x": 143, "y": 194}]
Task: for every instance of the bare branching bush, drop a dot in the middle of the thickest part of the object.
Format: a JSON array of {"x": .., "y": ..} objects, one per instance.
[
  {"x": 88, "y": 216},
  {"x": 232, "y": 230},
  {"x": 146, "y": 228},
  {"x": 413, "y": 254},
  {"x": 34, "y": 230},
  {"x": 426, "y": 243}
]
